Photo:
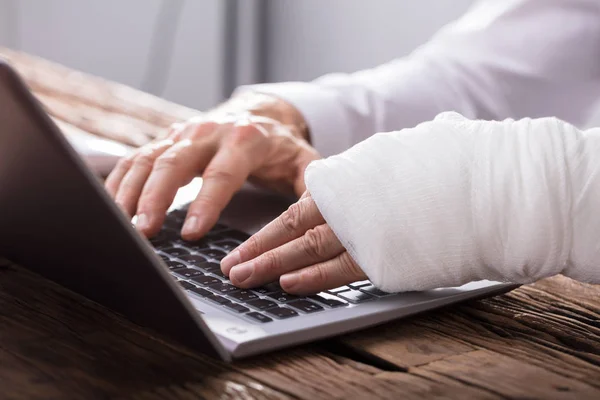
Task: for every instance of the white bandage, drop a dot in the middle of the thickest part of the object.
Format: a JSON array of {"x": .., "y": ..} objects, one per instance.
[{"x": 453, "y": 200}]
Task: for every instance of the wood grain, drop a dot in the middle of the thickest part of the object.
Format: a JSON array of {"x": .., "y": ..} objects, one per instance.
[
  {"x": 539, "y": 341},
  {"x": 104, "y": 108}
]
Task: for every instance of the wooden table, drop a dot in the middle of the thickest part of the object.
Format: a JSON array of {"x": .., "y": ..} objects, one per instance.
[{"x": 540, "y": 341}]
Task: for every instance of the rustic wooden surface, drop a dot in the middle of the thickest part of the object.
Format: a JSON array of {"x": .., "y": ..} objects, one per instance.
[{"x": 539, "y": 341}]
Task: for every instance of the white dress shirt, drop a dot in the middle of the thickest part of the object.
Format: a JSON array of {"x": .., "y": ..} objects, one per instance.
[{"x": 502, "y": 59}]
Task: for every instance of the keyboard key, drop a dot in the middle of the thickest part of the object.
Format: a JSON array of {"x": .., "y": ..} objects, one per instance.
[
  {"x": 236, "y": 235},
  {"x": 194, "y": 259},
  {"x": 174, "y": 265},
  {"x": 206, "y": 280},
  {"x": 327, "y": 301},
  {"x": 226, "y": 245},
  {"x": 339, "y": 289},
  {"x": 218, "y": 299},
  {"x": 176, "y": 251},
  {"x": 172, "y": 223},
  {"x": 374, "y": 291},
  {"x": 282, "y": 312},
  {"x": 282, "y": 297},
  {"x": 237, "y": 307},
  {"x": 305, "y": 306},
  {"x": 165, "y": 258},
  {"x": 189, "y": 273},
  {"x": 262, "y": 290},
  {"x": 158, "y": 242},
  {"x": 224, "y": 288},
  {"x": 218, "y": 227},
  {"x": 262, "y": 304},
  {"x": 179, "y": 213},
  {"x": 243, "y": 295},
  {"x": 355, "y": 296},
  {"x": 213, "y": 253},
  {"x": 218, "y": 272},
  {"x": 359, "y": 284},
  {"x": 259, "y": 317},
  {"x": 273, "y": 287},
  {"x": 208, "y": 266},
  {"x": 214, "y": 237},
  {"x": 186, "y": 285},
  {"x": 197, "y": 245},
  {"x": 201, "y": 292}
]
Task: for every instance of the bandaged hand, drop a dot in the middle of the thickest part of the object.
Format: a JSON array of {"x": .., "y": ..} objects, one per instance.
[
  {"x": 299, "y": 249},
  {"x": 445, "y": 203}
]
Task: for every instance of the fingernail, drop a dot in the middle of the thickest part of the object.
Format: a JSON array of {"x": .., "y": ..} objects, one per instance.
[
  {"x": 288, "y": 281},
  {"x": 230, "y": 260},
  {"x": 241, "y": 273},
  {"x": 191, "y": 226},
  {"x": 142, "y": 223}
]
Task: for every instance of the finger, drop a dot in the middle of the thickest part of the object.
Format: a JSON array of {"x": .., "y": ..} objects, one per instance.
[
  {"x": 319, "y": 244},
  {"x": 241, "y": 150},
  {"x": 336, "y": 272},
  {"x": 113, "y": 181},
  {"x": 132, "y": 183},
  {"x": 175, "y": 168},
  {"x": 293, "y": 223}
]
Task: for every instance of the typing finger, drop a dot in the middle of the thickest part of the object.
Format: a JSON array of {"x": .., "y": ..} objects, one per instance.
[
  {"x": 338, "y": 271},
  {"x": 131, "y": 185},
  {"x": 224, "y": 176},
  {"x": 317, "y": 245},
  {"x": 175, "y": 168},
  {"x": 113, "y": 181},
  {"x": 293, "y": 223}
]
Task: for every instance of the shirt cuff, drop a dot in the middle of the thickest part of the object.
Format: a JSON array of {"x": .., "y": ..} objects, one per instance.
[{"x": 325, "y": 116}]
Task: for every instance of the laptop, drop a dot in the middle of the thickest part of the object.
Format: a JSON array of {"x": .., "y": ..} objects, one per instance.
[{"x": 57, "y": 220}]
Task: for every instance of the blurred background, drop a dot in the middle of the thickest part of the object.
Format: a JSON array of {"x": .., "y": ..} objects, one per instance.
[{"x": 194, "y": 52}]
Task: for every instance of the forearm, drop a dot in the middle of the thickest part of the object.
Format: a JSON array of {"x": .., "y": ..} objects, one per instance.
[{"x": 452, "y": 201}]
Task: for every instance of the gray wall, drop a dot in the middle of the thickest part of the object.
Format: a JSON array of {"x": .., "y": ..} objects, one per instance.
[
  {"x": 129, "y": 40},
  {"x": 308, "y": 38}
]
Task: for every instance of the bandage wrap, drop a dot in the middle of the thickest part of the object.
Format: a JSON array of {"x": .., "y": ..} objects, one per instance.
[{"x": 454, "y": 200}]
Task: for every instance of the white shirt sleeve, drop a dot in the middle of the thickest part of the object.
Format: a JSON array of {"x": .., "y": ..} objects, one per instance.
[
  {"x": 509, "y": 58},
  {"x": 453, "y": 201}
]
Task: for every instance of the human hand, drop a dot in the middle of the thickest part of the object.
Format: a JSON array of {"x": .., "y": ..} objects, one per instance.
[
  {"x": 251, "y": 136},
  {"x": 299, "y": 249}
]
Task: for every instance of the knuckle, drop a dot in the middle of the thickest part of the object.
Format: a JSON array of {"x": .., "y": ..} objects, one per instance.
[
  {"x": 318, "y": 275},
  {"x": 143, "y": 160},
  {"x": 290, "y": 219},
  {"x": 348, "y": 267},
  {"x": 270, "y": 262},
  {"x": 125, "y": 163},
  {"x": 219, "y": 175},
  {"x": 250, "y": 248},
  {"x": 314, "y": 244},
  {"x": 166, "y": 161},
  {"x": 204, "y": 202},
  {"x": 243, "y": 134},
  {"x": 200, "y": 130}
]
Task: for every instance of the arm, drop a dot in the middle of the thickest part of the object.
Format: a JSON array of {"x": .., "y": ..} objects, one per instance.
[
  {"x": 513, "y": 58},
  {"x": 445, "y": 203},
  {"x": 454, "y": 200}
]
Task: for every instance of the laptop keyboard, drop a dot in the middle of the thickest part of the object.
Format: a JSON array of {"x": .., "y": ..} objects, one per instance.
[{"x": 196, "y": 266}]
